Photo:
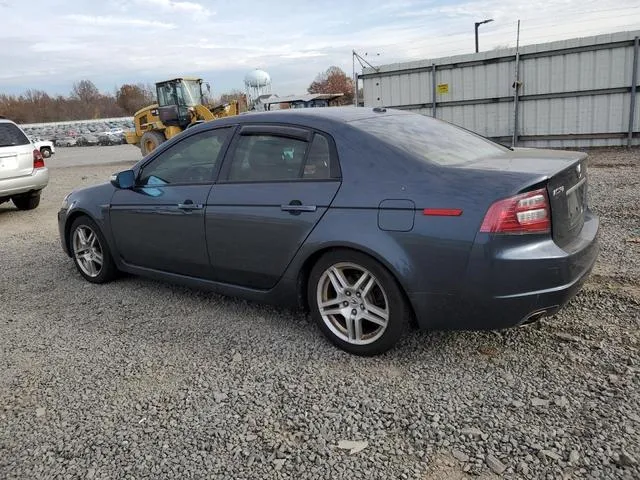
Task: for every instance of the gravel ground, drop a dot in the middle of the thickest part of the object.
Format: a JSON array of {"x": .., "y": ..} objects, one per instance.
[{"x": 139, "y": 379}]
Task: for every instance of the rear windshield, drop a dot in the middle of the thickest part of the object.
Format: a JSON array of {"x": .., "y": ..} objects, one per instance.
[
  {"x": 430, "y": 140},
  {"x": 10, "y": 135}
]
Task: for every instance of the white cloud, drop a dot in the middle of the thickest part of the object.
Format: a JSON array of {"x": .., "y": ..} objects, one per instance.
[
  {"x": 308, "y": 54},
  {"x": 110, "y": 21},
  {"x": 48, "y": 47},
  {"x": 179, "y": 7},
  {"x": 119, "y": 41}
]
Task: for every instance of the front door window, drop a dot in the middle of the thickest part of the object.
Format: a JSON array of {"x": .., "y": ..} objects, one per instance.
[{"x": 193, "y": 160}]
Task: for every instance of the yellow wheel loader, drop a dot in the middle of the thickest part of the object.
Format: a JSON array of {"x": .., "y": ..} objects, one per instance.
[{"x": 180, "y": 105}]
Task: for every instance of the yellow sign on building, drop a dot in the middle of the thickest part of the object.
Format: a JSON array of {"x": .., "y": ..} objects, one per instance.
[{"x": 443, "y": 88}]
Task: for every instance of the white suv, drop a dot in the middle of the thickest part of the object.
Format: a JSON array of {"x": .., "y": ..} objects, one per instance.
[{"x": 23, "y": 173}]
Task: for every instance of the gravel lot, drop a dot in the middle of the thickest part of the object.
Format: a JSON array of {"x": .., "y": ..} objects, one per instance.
[{"x": 139, "y": 379}]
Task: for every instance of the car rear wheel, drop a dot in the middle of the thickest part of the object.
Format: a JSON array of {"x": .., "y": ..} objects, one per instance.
[
  {"x": 46, "y": 152},
  {"x": 27, "y": 202},
  {"x": 90, "y": 251},
  {"x": 357, "y": 303}
]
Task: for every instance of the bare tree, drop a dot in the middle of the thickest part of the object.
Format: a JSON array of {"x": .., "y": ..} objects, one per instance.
[
  {"x": 85, "y": 101},
  {"x": 132, "y": 98},
  {"x": 334, "y": 80},
  {"x": 85, "y": 91}
]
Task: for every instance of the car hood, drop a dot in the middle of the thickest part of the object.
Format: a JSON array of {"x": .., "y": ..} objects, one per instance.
[{"x": 94, "y": 194}]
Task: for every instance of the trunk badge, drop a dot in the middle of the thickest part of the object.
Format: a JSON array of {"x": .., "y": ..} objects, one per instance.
[{"x": 558, "y": 191}]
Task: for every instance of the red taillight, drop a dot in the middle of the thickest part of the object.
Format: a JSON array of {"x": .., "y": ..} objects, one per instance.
[
  {"x": 38, "y": 159},
  {"x": 525, "y": 213}
]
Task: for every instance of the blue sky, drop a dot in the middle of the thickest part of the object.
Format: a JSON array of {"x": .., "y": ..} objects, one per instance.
[{"x": 49, "y": 44}]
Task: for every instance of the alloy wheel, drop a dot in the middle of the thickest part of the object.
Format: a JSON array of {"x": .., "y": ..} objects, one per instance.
[
  {"x": 352, "y": 303},
  {"x": 88, "y": 251}
]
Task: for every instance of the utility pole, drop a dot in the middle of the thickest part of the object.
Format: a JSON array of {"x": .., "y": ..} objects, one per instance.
[
  {"x": 355, "y": 79},
  {"x": 516, "y": 86},
  {"x": 477, "y": 24},
  {"x": 355, "y": 56}
]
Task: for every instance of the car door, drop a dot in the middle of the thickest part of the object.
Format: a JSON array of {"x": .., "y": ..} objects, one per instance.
[
  {"x": 159, "y": 224},
  {"x": 274, "y": 186}
]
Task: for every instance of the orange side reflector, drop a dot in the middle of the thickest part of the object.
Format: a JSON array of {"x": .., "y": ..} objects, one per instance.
[{"x": 442, "y": 212}]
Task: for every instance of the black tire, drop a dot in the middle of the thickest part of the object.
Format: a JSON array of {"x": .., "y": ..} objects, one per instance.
[
  {"x": 46, "y": 152},
  {"x": 150, "y": 141},
  {"x": 108, "y": 270},
  {"x": 27, "y": 201},
  {"x": 395, "y": 303}
]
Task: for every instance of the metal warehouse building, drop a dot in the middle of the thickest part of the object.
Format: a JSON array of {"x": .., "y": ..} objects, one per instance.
[{"x": 571, "y": 93}]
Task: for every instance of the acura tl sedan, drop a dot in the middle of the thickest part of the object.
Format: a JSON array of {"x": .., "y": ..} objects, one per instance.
[{"x": 367, "y": 218}]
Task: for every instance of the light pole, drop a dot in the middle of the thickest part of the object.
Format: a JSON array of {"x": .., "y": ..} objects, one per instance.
[{"x": 477, "y": 24}]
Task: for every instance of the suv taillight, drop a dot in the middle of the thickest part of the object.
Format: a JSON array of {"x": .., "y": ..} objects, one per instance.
[
  {"x": 525, "y": 213},
  {"x": 38, "y": 159}
]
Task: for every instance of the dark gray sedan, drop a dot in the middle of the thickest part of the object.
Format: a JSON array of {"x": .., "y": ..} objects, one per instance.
[{"x": 369, "y": 218}]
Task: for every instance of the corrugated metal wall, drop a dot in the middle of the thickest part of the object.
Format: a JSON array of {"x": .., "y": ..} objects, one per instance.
[{"x": 573, "y": 92}]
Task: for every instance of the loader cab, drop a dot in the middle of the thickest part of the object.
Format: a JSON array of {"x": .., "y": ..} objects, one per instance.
[{"x": 175, "y": 97}]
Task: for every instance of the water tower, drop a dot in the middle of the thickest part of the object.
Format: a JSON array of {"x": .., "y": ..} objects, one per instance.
[{"x": 256, "y": 83}]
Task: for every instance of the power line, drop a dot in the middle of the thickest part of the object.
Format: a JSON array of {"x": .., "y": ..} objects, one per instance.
[
  {"x": 524, "y": 28},
  {"x": 568, "y": 36},
  {"x": 524, "y": 32},
  {"x": 562, "y": 12}
]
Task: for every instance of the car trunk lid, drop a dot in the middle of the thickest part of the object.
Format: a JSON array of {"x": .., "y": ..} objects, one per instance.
[
  {"x": 565, "y": 174},
  {"x": 568, "y": 200}
]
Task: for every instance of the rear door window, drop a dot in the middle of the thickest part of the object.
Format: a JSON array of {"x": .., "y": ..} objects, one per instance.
[
  {"x": 264, "y": 158},
  {"x": 318, "y": 162},
  {"x": 267, "y": 157},
  {"x": 11, "y": 135}
]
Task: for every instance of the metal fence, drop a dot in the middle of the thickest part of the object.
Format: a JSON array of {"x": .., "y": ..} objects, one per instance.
[{"x": 571, "y": 93}]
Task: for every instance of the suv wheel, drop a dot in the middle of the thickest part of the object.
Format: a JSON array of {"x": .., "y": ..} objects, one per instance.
[{"x": 27, "y": 201}]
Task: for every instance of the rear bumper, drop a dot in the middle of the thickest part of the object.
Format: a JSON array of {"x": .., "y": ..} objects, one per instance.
[
  {"x": 38, "y": 179},
  {"x": 507, "y": 285}
]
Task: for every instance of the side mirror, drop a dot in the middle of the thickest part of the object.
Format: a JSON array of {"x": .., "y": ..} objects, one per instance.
[{"x": 125, "y": 179}]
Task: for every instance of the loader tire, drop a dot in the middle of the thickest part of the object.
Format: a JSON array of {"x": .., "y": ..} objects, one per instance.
[{"x": 150, "y": 141}]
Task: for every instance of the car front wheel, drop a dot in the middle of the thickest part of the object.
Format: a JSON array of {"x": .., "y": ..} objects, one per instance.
[
  {"x": 90, "y": 251},
  {"x": 357, "y": 303}
]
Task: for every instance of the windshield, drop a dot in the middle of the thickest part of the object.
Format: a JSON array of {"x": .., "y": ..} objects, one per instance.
[
  {"x": 430, "y": 140},
  {"x": 183, "y": 93},
  {"x": 191, "y": 94}
]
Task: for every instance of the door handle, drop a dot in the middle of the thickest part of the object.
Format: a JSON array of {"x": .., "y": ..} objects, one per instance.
[
  {"x": 298, "y": 208},
  {"x": 189, "y": 205}
]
